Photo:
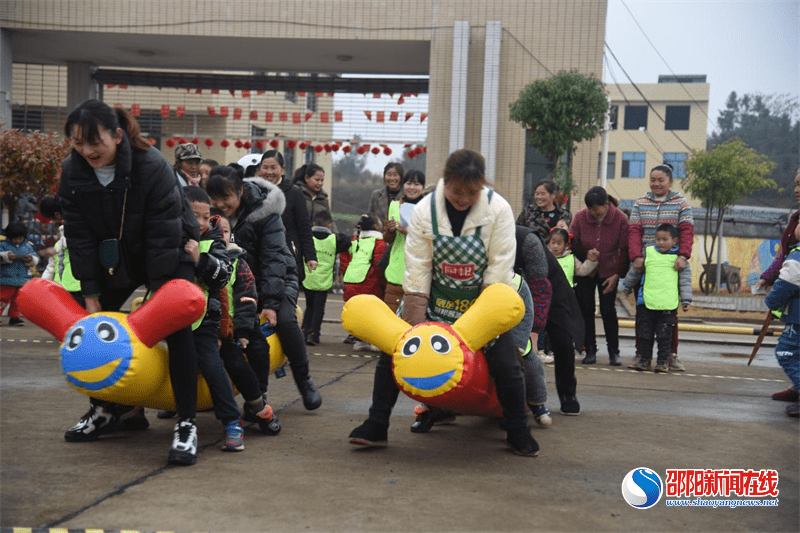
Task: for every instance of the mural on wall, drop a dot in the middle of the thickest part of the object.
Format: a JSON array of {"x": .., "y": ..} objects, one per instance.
[{"x": 753, "y": 256}]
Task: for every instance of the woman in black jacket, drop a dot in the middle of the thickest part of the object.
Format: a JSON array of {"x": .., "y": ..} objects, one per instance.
[
  {"x": 255, "y": 216},
  {"x": 295, "y": 217},
  {"x": 114, "y": 183}
]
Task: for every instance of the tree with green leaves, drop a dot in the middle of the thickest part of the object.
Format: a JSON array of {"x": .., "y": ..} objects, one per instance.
[
  {"x": 560, "y": 112},
  {"x": 721, "y": 177},
  {"x": 770, "y": 125}
]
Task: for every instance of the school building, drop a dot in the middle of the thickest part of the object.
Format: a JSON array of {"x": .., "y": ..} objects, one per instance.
[{"x": 234, "y": 71}]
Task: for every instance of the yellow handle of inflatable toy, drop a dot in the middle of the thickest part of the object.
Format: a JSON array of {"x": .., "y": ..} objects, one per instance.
[
  {"x": 369, "y": 318},
  {"x": 498, "y": 309}
]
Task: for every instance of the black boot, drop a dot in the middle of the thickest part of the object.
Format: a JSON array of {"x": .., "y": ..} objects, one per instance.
[
  {"x": 613, "y": 358},
  {"x": 311, "y": 397},
  {"x": 590, "y": 358}
]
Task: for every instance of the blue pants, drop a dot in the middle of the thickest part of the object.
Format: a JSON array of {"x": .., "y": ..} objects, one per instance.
[{"x": 787, "y": 352}]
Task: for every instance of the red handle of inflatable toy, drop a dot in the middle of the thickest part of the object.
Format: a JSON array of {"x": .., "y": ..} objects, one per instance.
[
  {"x": 48, "y": 305},
  {"x": 177, "y": 304}
]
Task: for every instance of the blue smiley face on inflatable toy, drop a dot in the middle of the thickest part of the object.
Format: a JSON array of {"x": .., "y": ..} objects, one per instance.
[{"x": 96, "y": 352}]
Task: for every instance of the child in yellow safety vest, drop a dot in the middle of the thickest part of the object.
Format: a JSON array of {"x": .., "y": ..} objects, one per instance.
[
  {"x": 361, "y": 272},
  {"x": 558, "y": 243},
  {"x": 58, "y": 267},
  {"x": 212, "y": 272},
  {"x": 661, "y": 291},
  {"x": 319, "y": 281}
]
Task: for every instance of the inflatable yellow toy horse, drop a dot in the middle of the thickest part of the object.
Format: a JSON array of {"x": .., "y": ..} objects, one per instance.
[
  {"x": 116, "y": 357},
  {"x": 435, "y": 363}
]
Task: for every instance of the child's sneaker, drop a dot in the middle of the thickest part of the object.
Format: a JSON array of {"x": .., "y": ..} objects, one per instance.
[
  {"x": 234, "y": 438},
  {"x": 661, "y": 367},
  {"x": 545, "y": 358},
  {"x": 184, "y": 443},
  {"x": 642, "y": 366},
  {"x": 98, "y": 421},
  {"x": 788, "y": 395},
  {"x": 676, "y": 364},
  {"x": 266, "y": 419},
  {"x": 361, "y": 346},
  {"x": 541, "y": 415},
  {"x": 635, "y": 362},
  {"x": 132, "y": 418},
  {"x": 15, "y": 321}
]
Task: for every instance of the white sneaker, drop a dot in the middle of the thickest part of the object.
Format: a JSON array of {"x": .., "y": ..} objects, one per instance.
[
  {"x": 545, "y": 358},
  {"x": 184, "y": 443},
  {"x": 361, "y": 346}
]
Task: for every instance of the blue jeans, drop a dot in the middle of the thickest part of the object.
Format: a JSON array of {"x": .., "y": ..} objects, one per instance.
[
  {"x": 535, "y": 387},
  {"x": 787, "y": 352}
]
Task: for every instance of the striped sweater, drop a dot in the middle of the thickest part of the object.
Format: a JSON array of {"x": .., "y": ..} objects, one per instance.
[{"x": 648, "y": 213}]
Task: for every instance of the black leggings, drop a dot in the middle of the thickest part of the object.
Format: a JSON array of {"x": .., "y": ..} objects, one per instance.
[{"x": 182, "y": 355}]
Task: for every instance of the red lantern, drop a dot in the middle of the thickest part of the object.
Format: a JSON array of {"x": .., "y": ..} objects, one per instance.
[
  {"x": 318, "y": 148},
  {"x": 253, "y": 115},
  {"x": 376, "y": 150},
  {"x": 247, "y": 145},
  {"x": 224, "y": 143},
  {"x": 195, "y": 141},
  {"x": 181, "y": 140},
  {"x": 170, "y": 143},
  {"x": 209, "y": 142},
  {"x": 181, "y": 111},
  {"x": 260, "y": 144},
  {"x": 151, "y": 141},
  {"x": 335, "y": 147},
  {"x": 387, "y": 151},
  {"x": 274, "y": 143},
  {"x": 238, "y": 143},
  {"x": 410, "y": 154},
  {"x": 303, "y": 146},
  {"x": 347, "y": 148},
  {"x": 291, "y": 144},
  {"x": 328, "y": 148}
]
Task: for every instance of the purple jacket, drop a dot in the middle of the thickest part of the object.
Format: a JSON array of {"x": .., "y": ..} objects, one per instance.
[
  {"x": 609, "y": 236},
  {"x": 787, "y": 241}
]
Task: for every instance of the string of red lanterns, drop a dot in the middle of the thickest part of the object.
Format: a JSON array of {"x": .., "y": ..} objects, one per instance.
[
  {"x": 282, "y": 116},
  {"x": 291, "y": 144}
]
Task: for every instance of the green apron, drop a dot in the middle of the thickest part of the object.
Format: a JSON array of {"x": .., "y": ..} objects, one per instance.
[{"x": 458, "y": 266}]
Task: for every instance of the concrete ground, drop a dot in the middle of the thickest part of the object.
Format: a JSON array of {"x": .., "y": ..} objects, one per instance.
[{"x": 459, "y": 477}]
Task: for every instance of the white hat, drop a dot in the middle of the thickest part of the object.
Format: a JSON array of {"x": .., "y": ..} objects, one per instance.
[{"x": 249, "y": 160}]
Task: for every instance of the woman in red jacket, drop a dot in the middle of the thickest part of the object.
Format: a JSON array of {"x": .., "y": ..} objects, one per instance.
[{"x": 603, "y": 228}]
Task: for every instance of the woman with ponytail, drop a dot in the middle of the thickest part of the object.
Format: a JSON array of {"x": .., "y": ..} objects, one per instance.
[{"x": 115, "y": 187}]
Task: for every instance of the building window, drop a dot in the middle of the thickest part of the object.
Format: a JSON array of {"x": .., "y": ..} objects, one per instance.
[
  {"x": 677, "y": 117},
  {"x": 613, "y": 115},
  {"x": 633, "y": 164},
  {"x": 611, "y": 165},
  {"x": 26, "y": 120},
  {"x": 678, "y": 162},
  {"x": 635, "y": 117}
]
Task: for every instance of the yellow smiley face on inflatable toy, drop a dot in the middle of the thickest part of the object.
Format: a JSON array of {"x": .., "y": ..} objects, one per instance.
[{"x": 431, "y": 360}]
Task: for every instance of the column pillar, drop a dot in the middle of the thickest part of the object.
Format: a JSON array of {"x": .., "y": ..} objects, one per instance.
[
  {"x": 491, "y": 90},
  {"x": 458, "y": 85},
  {"x": 80, "y": 86},
  {"x": 6, "y": 63}
]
